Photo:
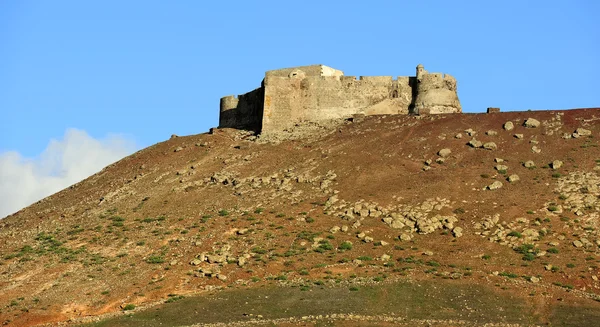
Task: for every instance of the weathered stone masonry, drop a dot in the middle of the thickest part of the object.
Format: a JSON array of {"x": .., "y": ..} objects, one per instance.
[{"x": 316, "y": 93}]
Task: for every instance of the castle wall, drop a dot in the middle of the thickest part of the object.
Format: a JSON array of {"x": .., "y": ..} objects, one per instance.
[
  {"x": 437, "y": 94},
  {"x": 315, "y": 93},
  {"x": 243, "y": 111},
  {"x": 314, "y": 98}
]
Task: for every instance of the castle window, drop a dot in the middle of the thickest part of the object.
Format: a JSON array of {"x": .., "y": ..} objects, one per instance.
[{"x": 395, "y": 94}]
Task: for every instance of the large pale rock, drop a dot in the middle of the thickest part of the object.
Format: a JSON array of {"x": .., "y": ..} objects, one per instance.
[
  {"x": 495, "y": 185},
  {"x": 529, "y": 164},
  {"x": 508, "y": 126},
  {"x": 531, "y": 123},
  {"x": 556, "y": 164},
  {"x": 490, "y": 146},
  {"x": 476, "y": 144},
  {"x": 444, "y": 152},
  {"x": 582, "y": 132}
]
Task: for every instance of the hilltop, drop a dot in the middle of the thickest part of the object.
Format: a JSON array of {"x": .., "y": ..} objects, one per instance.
[{"x": 439, "y": 220}]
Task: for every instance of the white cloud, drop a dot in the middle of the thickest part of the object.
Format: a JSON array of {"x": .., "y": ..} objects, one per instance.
[{"x": 65, "y": 162}]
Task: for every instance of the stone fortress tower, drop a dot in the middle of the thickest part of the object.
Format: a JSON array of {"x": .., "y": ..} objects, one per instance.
[{"x": 316, "y": 93}]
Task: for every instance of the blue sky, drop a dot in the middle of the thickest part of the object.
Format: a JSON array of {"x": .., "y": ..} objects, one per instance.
[{"x": 143, "y": 70}]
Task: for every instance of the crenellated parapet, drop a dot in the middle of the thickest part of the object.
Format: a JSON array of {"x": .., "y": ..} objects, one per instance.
[{"x": 313, "y": 93}]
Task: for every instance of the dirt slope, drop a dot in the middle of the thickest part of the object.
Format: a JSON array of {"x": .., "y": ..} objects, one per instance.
[{"x": 372, "y": 202}]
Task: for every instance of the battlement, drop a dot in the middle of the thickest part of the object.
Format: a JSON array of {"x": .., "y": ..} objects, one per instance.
[{"x": 318, "y": 92}]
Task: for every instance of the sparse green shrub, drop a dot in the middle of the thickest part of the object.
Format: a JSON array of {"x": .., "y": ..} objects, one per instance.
[
  {"x": 515, "y": 233},
  {"x": 553, "y": 250},
  {"x": 259, "y": 210},
  {"x": 155, "y": 259},
  {"x": 174, "y": 297},
  {"x": 365, "y": 258},
  {"x": 570, "y": 265},
  {"x": 128, "y": 307},
  {"x": 345, "y": 246},
  {"x": 310, "y": 220},
  {"x": 507, "y": 274},
  {"x": 223, "y": 213},
  {"x": 486, "y": 257},
  {"x": 353, "y": 289},
  {"x": 324, "y": 245}
]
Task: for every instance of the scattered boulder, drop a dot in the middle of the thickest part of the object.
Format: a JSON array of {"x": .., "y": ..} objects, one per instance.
[
  {"x": 535, "y": 149},
  {"x": 577, "y": 243},
  {"x": 475, "y": 144},
  {"x": 457, "y": 232},
  {"x": 444, "y": 152},
  {"x": 531, "y": 123},
  {"x": 458, "y": 136},
  {"x": 470, "y": 132},
  {"x": 581, "y": 132},
  {"x": 177, "y": 149},
  {"x": 519, "y": 136},
  {"x": 513, "y": 178},
  {"x": 529, "y": 164},
  {"x": 491, "y": 132},
  {"x": 490, "y": 146},
  {"x": 508, "y": 126},
  {"x": 495, "y": 185},
  {"x": 501, "y": 167},
  {"x": 556, "y": 164}
]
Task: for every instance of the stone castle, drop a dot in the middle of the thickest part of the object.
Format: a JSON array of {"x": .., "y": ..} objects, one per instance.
[{"x": 317, "y": 93}]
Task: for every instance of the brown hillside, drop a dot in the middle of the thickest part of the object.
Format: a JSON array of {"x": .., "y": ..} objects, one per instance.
[{"x": 205, "y": 213}]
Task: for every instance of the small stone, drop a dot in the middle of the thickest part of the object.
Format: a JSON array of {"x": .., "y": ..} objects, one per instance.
[
  {"x": 495, "y": 185},
  {"x": 385, "y": 257},
  {"x": 529, "y": 164},
  {"x": 368, "y": 239},
  {"x": 535, "y": 149},
  {"x": 548, "y": 267},
  {"x": 491, "y": 132},
  {"x": 440, "y": 160},
  {"x": 470, "y": 132},
  {"x": 383, "y": 243},
  {"x": 577, "y": 244},
  {"x": 177, "y": 149},
  {"x": 428, "y": 253},
  {"x": 458, "y": 136},
  {"x": 444, "y": 152},
  {"x": 531, "y": 123},
  {"x": 508, "y": 126},
  {"x": 334, "y": 229},
  {"x": 195, "y": 262},
  {"x": 499, "y": 160},
  {"x": 556, "y": 164},
  {"x": 513, "y": 178},
  {"x": 519, "y": 136},
  {"x": 534, "y": 279},
  {"x": 344, "y": 228}
]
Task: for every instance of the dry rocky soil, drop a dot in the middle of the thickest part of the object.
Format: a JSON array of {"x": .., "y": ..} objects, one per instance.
[{"x": 440, "y": 220}]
